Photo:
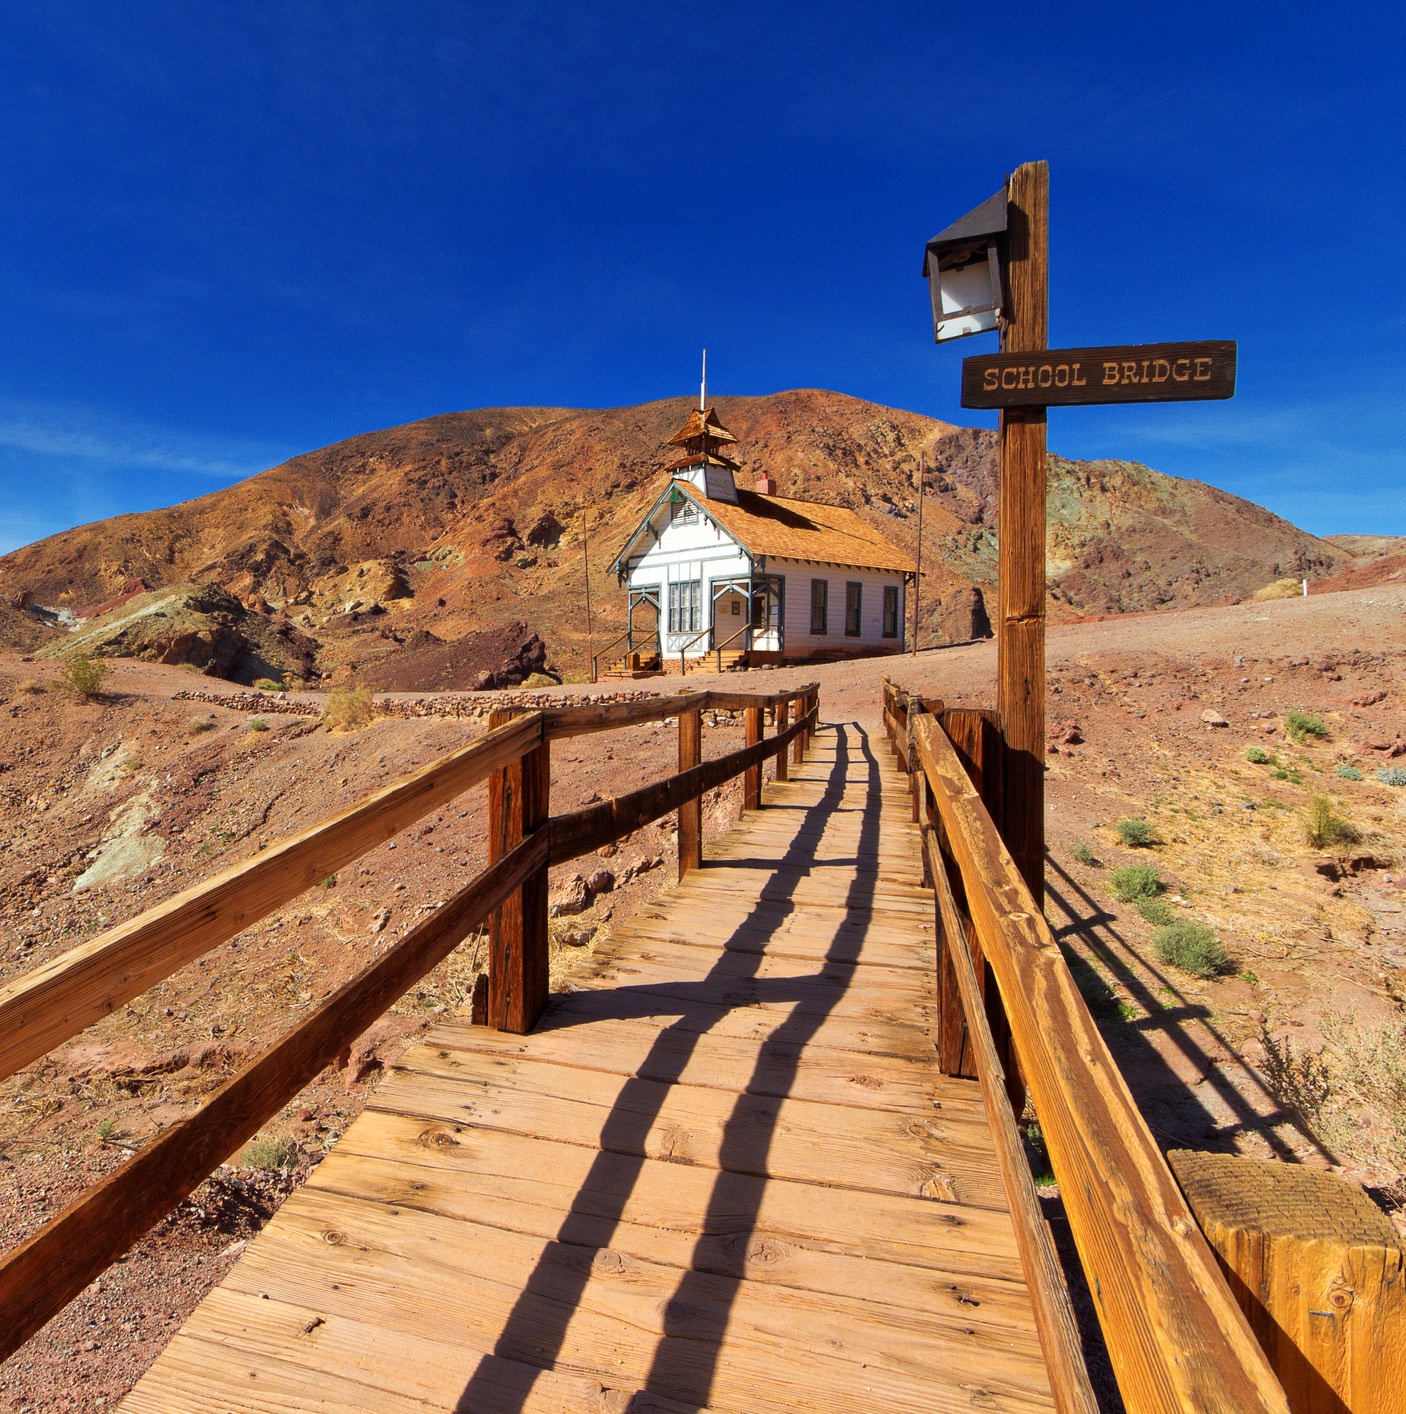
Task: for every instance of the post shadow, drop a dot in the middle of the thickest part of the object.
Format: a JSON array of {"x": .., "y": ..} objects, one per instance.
[{"x": 684, "y": 1362}]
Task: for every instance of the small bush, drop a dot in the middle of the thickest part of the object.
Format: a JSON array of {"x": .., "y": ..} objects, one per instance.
[
  {"x": 1302, "y": 727},
  {"x": 1324, "y": 827},
  {"x": 199, "y": 725},
  {"x": 31, "y": 688},
  {"x": 1292, "y": 774},
  {"x": 83, "y": 675},
  {"x": 1349, "y": 773},
  {"x": 271, "y": 1151},
  {"x": 257, "y": 724},
  {"x": 1258, "y": 756},
  {"x": 1156, "y": 910},
  {"x": 1392, "y": 776},
  {"x": 1084, "y": 853},
  {"x": 1192, "y": 947},
  {"x": 349, "y": 709},
  {"x": 107, "y": 1127},
  {"x": 1135, "y": 881},
  {"x": 1278, "y": 589},
  {"x": 1137, "y": 833},
  {"x": 271, "y": 685}
]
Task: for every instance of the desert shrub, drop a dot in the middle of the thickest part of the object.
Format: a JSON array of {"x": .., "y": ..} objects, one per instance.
[
  {"x": 196, "y": 726},
  {"x": 1292, "y": 774},
  {"x": 1392, "y": 776},
  {"x": 1084, "y": 853},
  {"x": 1135, "y": 881},
  {"x": 1278, "y": 589},
  {"x": 1323, "y": 826},
  {"x": 1258, "y": 756},
  {"x": 1136, "y": 833},
  {"x": 83, "y": 675},
  {"x": 257, "y": 724},
  {"x": 349, "y": 709},
  {"x": 271, "y": 685},
  {"x": 1352, "y": 1094},
  {"x": 271, "y": 1151},
  {"x": 1156, "y": 910},
  {"x": 1192, "y": 947},
  {"x": 1349, "y": 773},
  {"x": 1302, "y": 727},
  {"x": 106, "y": 1128},
  {"x": 30, "y": 687}
]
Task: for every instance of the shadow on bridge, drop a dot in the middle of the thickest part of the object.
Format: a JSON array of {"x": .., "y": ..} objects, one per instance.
[{"x": 684, "y": 1363}]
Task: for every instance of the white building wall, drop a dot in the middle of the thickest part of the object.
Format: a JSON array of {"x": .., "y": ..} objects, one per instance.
[
  {"x": 800, "y": 642},
  {"x": 690, "y": 550}
]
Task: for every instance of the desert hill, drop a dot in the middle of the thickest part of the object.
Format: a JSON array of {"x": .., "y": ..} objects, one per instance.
[{"x": 411, "y": 538}]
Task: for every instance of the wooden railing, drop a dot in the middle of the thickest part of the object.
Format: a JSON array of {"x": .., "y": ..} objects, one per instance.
[
  {"x": 1176, "y": 1337},
  {"x": 59, "y": 999},
  {"x": 628, "y": 638}
]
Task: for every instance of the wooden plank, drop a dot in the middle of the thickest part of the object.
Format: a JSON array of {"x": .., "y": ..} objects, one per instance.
[
  {"x": 572, "y": 1180},
  {"x": 732, "y": 1344},
  {"x": 690, "y": 821},
  {"x": 1121, "y": 373},
  {"x": 343, "y": 1363},
  {"x": 748, "y": 1249},
  {"x": 61, "y": 997},
  {"x": 752, "y": 776},
  {"x": 1054, "y": 1314},
  {"x": 918, "y": 1157},
  {"x": 1175, "y": 1335},
  {"x": 51, "y": 1267},
  {"x": 1020, "y": 628},
  {"x": 799, "y": 1070},
  {"x": 1318, "y": 1270},
  {"x": 561, "y": 722},
  {"x": 783, "y": 719}
]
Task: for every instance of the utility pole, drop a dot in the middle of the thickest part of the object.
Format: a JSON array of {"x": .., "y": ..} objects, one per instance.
[
  {"x": 1020, "y": 632},
  {"x": 586, "y": 574},
  {"x": 918, "y": 576}
]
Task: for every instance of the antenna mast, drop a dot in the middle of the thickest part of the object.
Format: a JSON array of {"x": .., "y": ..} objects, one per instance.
[{"x": 703, "y": 387}]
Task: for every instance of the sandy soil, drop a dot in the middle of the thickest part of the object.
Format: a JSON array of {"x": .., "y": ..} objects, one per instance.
[{"x": 143, "y": 794}]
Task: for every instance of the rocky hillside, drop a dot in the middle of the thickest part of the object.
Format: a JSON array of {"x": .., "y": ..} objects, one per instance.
[{"x": 415, "y": 537}]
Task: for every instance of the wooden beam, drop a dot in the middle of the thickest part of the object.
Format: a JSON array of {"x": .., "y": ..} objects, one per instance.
[
  {"x": 1175, "y": 1335},
  {"x": 584, "y": 830},
  {"x": 691, "y": 810},
  {"x": 57, "y": 1000},
  {"x": 1020, "y": 629},
  {"x": 752, "y": 775},
  {"x": 561, "y": 722},
  {"x": 517, "y": 931},
  {"x": 40, "y": 1276},
  {"x": 1054, "y": 1314},
  {"x": 1318, "y": 1270},
  {"x": 783, "y": 720}
]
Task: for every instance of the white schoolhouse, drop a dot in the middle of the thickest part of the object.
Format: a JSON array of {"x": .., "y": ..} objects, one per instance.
[{"x": 749, "y": 577}]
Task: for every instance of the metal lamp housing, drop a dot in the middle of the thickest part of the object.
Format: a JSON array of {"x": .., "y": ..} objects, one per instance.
[{"x": 963, "y": 268}]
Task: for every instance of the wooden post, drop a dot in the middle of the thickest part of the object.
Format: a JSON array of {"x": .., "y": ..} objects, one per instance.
[
  {"x": 691, "y": 811},
  {"x": 1317, "y": 1269},
  {"x": 752, "y": 777},
  {"x": 783, "y": 720},
  {"x": 798, "y": 742},
  {"x": 518, "y": 798},
  {"x": 1020, "y": 632}
]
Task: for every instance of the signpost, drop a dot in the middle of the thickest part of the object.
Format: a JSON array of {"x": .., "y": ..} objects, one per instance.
[{"x": 990, "y": 270}]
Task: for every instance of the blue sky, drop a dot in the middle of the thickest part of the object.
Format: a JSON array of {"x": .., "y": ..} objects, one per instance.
[{"x": 240, "y": 231}]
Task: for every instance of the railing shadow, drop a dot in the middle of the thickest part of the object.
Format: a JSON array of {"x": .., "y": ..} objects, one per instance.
[
  {"x": 683, "y": 1365},
  {"x": 1147, "y": 1072}
]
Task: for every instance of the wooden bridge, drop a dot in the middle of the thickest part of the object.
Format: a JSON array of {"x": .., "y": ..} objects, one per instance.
[{"x": 766, "y": 1158}]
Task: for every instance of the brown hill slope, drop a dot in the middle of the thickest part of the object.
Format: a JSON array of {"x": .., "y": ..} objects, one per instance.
[{"x": 472, "y": 521}]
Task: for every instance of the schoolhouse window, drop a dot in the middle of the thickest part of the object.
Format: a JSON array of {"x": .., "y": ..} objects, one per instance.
[
  {"x": 685, "y": 512},
  {"x": 819, "y": 606},
  {"x": 853, "y": 606},
  {"x": 686, "y": 606},
  {"x": 890, "y": 611}
]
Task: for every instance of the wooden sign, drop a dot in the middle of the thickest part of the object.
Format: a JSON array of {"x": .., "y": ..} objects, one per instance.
[{"x": 1131, "y": 373}]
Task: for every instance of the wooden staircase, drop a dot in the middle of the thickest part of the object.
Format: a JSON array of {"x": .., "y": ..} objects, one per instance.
[
  {"x": 635, "y": 665},
  {"x": 729, "y": 660}
]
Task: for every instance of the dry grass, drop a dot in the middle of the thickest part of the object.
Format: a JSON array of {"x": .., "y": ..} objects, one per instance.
[
  {"x": 349, "y": 709},
  {"x": 1279, "y": 589}
]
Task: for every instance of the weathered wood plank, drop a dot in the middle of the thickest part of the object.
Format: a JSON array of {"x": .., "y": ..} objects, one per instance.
[
  {"x": 43, "y": 1273},
  {"x": 690, "y": 821},
  {"x": 1175, "y": 1335},
  {"x": 61, "y": 997}
]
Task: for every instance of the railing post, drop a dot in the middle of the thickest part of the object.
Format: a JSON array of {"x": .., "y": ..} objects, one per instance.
[
  {"x": 691, "y": 811},
  {"x": 798, "y": 742},
  {"x": 752, "y": 777},
  {"x": 518, "y": 797},
  {"x": 783, "y": 720}
]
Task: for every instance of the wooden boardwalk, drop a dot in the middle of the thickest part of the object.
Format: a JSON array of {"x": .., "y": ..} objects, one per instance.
[{"x": 725, "y": 1174}]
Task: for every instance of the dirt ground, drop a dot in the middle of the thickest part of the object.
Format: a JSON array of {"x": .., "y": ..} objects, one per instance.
[{"x": 112, "y": 807}]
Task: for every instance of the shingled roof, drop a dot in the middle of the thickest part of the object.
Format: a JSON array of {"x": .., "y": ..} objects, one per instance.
[{"x": 802, "y": 530}]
